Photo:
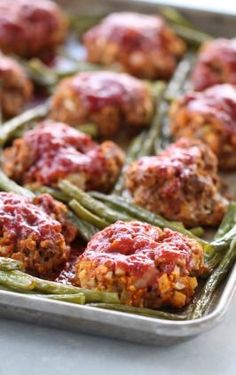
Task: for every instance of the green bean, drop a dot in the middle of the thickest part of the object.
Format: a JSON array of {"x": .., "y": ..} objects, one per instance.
[
  {"x": 214, "y": 280},
  {"x": 178, "y": 81},
  {"x": 9, "y": 127},
  {"x": 131, "y": 155},
  {"x": 10, "y": 186},
  {"x": 144, "y": 215},
  {"x": 91, "y": 204},
  {"x": 80, "y": 24},
  {"x": 226, "y": 225},
  {"x": 228, "y": 221},
  {"x": 184, "y": 27},
  {"x": 174, "y": 16},
  {"x": 80, "y": 66},
  {"x": 55, "y": 193},
  {"x": 51, "y": 287},
  {"x": 86, "y": 215},
  {"x": 22, "y": 282},
  {"x": 39, "y": 72},
  {"x": 47, "y": 77},
  {"x": 197, "y": 231},
  {"x": 72, "y": 298},
  {"x": 85, "y": 229},
  {"x": 222, "y": 243},
  {"x": 157, "y": 89},
  {"x": 154, "y": 132},
  {"x": 89, "y": 129},
  {"x": 16, "y": 280},
  {"x": 191, "y": 36},
  {"x": 8, "y": 264},
  {"x": 139, "y": 311}
]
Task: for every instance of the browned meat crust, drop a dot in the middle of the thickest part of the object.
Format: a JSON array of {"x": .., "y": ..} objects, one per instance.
[
  {"x": 31, "y": 28},
  {"x": 35, "y": 232},
  {"x": 209, "y": 115},
  {"x": 216, "y": 64},
  {"x": 143, "y": 45},
  {"x": 53, "y": 151},
  {"x": 15, "y": 88},
  {"x": 110, "y": 100},
  {"x": 180, "y": 184}
]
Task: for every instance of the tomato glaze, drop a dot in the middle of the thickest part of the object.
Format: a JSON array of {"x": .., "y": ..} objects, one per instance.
[
  {"x": 136, "y": 247},
  {"x": 100, "y": 89},
  {"x": 132, "y": 31},
  {"x": 218, "y": 101},
  {"x": 58, "y": 150},
  {"x": 21, "y": 218},
  {"x": 216, "y": 63}
]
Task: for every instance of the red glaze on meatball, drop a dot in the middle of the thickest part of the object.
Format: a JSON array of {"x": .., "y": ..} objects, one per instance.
[
  {"x": 16, "y": 89},
  {"x": 147, "y": 266},
  {"x": 35, "y": 232},
  {"x": 53, "y": 151},
  {"x": 30, "y": 28},
  {"x": 143, "y": 45},
  {"x": 181, "y": 184},
  {"x": 209, "y": 115},
  {"x": 110, "y": 100},
  {"x": 216, "y": 64}
]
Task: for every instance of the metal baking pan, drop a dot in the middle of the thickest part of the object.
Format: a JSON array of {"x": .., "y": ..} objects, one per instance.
[{"x": 111, "y": 323}]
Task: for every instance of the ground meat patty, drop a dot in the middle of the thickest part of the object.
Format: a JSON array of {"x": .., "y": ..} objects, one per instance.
[
  {"x": 181, "y": 184},
  {"x": 35, "y": 232},
  {"x": 216, "y": 64},
  {"x": 110, "y": 100},
  {"x": 143, "y": 45},
  {"x": 147, "y": 266},
  {"x": 209, "y": 115},
  {"x": 15, "y": 89},
  {"x": 30, "y": 28},
  {"x": 53, "y": 151}
]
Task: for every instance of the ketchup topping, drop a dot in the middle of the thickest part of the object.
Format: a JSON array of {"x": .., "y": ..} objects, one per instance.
[
  {"x": 216, "y": 64},
  {"x": 132, "y": 31},
  {"x": 100, "y": 89},
  {"x": 21, "y": 218},
  {"x": 58, "y": 150},
  {"x": 218, "y": 101},
  {"x": 135, "y": 246}
]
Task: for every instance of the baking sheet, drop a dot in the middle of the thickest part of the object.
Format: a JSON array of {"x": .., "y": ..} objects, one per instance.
[{"x": 111, "y": 323}]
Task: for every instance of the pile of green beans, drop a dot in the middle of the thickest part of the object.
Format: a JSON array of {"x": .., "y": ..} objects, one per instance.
[
  {"x": 12, "y": 277},
  {"x": 96, "y": 206},
  {"x": 10, "y": 127}
]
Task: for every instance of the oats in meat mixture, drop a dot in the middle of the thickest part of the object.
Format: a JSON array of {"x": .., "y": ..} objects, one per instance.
[
  {"x": 147, "y": 266},
  {"x": 36, "y": 232}
]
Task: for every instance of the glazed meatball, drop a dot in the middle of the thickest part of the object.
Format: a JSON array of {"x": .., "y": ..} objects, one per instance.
[
  {"x": 142, "y": 45},
  {"x": 31, "y": 28},
  {"x": 216, "y": 64},
  {"x": 181, "y": 184},
  {"x": 209, "y": 115},
  {"x": 147, "y": 266},
  {"x": 53, "y": 151},
  {"x": 35, "y": 232},
  {"x": 110, "y": 100},
  {"x": 16, "y": 89}
]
